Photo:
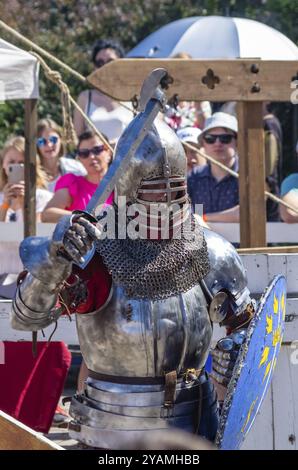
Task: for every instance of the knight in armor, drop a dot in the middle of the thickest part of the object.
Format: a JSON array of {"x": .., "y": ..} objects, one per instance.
[{"x": 144, "y": 306}]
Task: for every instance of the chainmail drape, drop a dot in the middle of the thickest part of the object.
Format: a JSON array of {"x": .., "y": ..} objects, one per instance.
[{"x": 157, "y": 269}]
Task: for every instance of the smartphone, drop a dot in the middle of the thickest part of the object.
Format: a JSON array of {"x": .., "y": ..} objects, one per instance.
[{"x": 15, "y": 173}]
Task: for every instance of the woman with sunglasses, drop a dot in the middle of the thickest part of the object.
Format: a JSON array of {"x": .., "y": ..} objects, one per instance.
[
  {"x": 75, "y": 191},
  {"x": 209, "y": 185},
  {"x": 50, "y": 148},
  {"x": 105, "y": 113}
]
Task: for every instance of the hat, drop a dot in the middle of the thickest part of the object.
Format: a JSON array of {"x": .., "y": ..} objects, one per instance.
[
  {"x": 189, "y": 134},
  {"x": 221, "y": 120}
]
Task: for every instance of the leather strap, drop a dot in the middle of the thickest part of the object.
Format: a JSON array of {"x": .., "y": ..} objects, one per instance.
[{"x": 170, "y": 389}]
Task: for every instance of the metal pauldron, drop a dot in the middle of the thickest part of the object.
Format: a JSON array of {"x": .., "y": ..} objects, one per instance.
[{"x": 226, "y": 283}]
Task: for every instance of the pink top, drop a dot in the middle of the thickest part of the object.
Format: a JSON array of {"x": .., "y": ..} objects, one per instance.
[{"x": 80, "y": 189}]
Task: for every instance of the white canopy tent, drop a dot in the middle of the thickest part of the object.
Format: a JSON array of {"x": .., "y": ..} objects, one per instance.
[
  {"x": 19, "y": 72},
  {"x": 19, "y": 78}
]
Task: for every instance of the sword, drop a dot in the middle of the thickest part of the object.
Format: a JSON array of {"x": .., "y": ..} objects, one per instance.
[{"x": 152, "y": 101}]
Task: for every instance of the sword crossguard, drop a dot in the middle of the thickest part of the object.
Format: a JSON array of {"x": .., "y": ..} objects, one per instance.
[{"x": 152, "y": 88}]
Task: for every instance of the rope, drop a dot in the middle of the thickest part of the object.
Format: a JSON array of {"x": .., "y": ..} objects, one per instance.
[
  {"x": 55, "y": 77},
  {"x": 66, "y": 99},
  {"x": 236, "y": 175},
  {"x": 42, "y": 51}
]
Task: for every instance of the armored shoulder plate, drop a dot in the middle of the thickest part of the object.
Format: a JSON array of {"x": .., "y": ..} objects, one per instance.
[{"x": 227, "y": 272}]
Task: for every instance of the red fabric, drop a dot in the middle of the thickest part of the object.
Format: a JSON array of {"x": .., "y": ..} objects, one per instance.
[
  {"x": 98, "y": 281},
  {"x": 31, "y": 387}
]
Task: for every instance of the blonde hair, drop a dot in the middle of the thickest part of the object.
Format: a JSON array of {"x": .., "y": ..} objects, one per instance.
[
  {"x": 49, "y": 124},
  {"x": 18, "y": 143}
]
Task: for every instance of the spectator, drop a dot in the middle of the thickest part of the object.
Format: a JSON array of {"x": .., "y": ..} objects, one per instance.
[
  {"x": 74, "y": 191},
  {"x": 210, "y": 185},
  {"x": 51, "y": 150},
  {"x": 289, "y": 194},
  {"x": 191, "y": 136},
  {"x": 12, "y": 195},
  {"x": 105, "y": 113},
  {"x": 273, "y": 154}
]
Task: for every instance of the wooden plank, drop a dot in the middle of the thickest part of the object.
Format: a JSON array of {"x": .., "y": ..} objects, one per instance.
[
  {"x": 14, "y": 435},
  {"x": 251, "y": 175},
  {"x": 270, "y": 249},
  {"x": 277, "y": 232},
  {"x": 257, "y": 272},
  {"x": 285, "y": 405},
  {"x": 291, "y": 326},
  {"x": 292, "y": 273},
  {"x": 122, "y": 79},
  {"x": 30, "y": 167}
]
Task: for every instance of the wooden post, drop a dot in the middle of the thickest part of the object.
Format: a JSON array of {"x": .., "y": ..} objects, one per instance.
[
  {"x": 30, "y": 167},
  {"x": 251, "y": 175}
]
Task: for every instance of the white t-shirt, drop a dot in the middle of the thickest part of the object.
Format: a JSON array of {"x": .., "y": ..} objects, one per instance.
[{"x": 42, "y": 198}]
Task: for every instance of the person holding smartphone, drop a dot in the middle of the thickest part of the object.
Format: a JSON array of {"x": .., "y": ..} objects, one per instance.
[{"x": 12, "y": 184}]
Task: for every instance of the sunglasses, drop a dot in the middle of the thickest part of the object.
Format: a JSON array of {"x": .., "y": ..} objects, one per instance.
[
  {"x": 41, "y": 142},
  {"x": 100, "y": 62},
  {"x": 223, "y": 138},
  {"x": 85, "y": 153}
]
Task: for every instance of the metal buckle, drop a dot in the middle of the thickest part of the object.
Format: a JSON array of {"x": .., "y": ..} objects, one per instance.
[{"x": 167, "y": 411}]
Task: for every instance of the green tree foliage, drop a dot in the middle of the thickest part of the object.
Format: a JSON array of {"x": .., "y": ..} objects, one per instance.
[{"x": 69, "y": 28}]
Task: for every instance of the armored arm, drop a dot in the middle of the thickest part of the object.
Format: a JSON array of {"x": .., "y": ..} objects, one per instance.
[
  {"x": 48, "y": 263},
  {"x": 230, "y": 303}
]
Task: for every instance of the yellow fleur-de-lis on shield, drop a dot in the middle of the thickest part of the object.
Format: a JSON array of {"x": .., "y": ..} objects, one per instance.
[
  {"x": 264, "y": 357},
  {"x": 269, "y": 321},
  {"x": 275, "y": 304}
]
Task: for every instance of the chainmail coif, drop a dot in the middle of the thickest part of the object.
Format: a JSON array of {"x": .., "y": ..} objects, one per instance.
[{"x": 157, "y": 269}]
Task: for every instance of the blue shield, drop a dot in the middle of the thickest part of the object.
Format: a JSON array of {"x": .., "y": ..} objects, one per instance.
[{"x": 254, "y": 367}]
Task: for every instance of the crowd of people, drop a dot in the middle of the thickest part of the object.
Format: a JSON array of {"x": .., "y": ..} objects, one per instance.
[{"x": 65, "y": 183}]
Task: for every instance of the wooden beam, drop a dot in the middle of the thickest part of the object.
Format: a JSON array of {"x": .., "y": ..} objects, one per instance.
[
  {"x": 251, "y": 175},
  {"x": 232, "y": 80},
  {"x": 15, "y": 435},
  {"x": 30, "y": 167},
  {"x": 269, "y": 249}
]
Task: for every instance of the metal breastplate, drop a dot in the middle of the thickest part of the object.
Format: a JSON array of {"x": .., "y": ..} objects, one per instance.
[{"x": 143, "y": 338}]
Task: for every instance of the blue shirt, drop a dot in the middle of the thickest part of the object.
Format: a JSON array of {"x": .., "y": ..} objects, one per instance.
[
  {"x": 216, "y": 196},
  {"x": 290, "y": 183}
]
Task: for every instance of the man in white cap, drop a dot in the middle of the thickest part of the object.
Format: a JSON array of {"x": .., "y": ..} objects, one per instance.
[
  {"x": 191, "y": 136},
  {"x": 210, "y": 185}
]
